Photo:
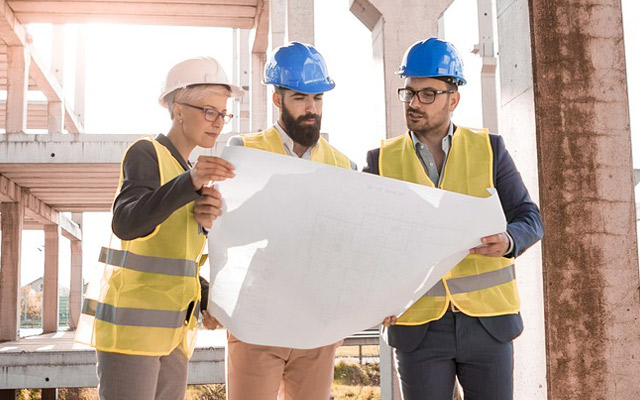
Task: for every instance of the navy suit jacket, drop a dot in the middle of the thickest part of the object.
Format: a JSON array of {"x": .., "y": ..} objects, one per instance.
[{"x": 523, "y": 224}]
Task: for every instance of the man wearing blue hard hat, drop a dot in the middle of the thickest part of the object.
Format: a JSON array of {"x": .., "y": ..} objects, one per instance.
[
  {"x": 464, "y": 326},
  {"x": 299, "y": 76}
]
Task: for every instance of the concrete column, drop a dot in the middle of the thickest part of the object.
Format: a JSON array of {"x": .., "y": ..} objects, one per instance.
[
  {"x": 592, "y": 303},
  {"x": 79, "y": 98},
  {"x": 258, "y": 93},
  {"x": 277, "y": 37},
  {"x": 12, "y": 222},
  {"x": 18, "y": 61},
  {"x": 55, "y": 110},
  {"x": 396, "y": 25},
  {"x": 241, "y": 122},
  {"x": 75, "y": 286},
  {"x": 517, "y": 127},
  {"x": 55, "y": 117},
  {"x": 486, "y": 50},
  {"x": 300, "y": 24},
  {"x": 50, "y": 291},
  {"x": 389, "y": 385}
]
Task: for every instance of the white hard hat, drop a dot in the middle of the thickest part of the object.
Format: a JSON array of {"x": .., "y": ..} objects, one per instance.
[{"x": 196, "y": 71}]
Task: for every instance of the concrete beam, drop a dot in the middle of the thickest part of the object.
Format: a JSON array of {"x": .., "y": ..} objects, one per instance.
[
  {"x": 11, "y": 31},
  {"x": 18, "y": 61},
  {"x": 394, "y": 27},
  {"x": 79, "y": 98},
  {"x": 37, "y": 210},
  {"x": 590, "y": 257},
  {"x": 50, "y": 291},
  {"x": 77, "y": 368},
  {"x": 259, "y": 37},
  {"x": 258, "y": 93},
  {"x": 12, "y": 217}
]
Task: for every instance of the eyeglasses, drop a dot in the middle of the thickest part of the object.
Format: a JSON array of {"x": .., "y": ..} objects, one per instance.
[
  {"x": 425, "y": 96},
  {"x": 211, "y": 114}
]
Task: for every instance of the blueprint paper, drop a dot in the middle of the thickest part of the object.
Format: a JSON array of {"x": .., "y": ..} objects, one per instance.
[{"x": 306, "y": 254}]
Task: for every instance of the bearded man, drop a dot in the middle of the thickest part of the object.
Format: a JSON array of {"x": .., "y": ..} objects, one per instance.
[{"x": 300, "y": 78}]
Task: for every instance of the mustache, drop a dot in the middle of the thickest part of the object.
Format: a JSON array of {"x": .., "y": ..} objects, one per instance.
[
  {"x": 308, "y": 116},
  {"x": 415, "y": 111}
]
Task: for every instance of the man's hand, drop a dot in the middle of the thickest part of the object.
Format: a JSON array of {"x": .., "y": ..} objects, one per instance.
[
  {"x": 210, "y": 322},
  {"x": 209, "y": 168},
  {"x": 492, "y": 246},
  {"x": 208, "y": 207},
  {"x": 390, "y": 320}
]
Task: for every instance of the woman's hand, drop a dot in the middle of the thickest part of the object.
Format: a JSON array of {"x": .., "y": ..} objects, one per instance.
[
  {"x": 210, "y": 168},
  {"x": 210, "y": 322},
  {"x": 208, "y": 207},
  {"x": 390, "y": 320}
]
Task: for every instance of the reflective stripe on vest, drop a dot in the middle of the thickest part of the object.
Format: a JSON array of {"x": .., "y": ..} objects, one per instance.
[
  {"x": 478, "y": 285},
  {"x": 155, "y": 265},
  {"x": 474, "y": 282},
  {"x": 134, "y": 316},
  {"x": 270, "y": 140}
]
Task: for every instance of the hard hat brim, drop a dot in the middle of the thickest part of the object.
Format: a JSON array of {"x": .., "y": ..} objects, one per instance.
[{"x": 236, "y": 91}]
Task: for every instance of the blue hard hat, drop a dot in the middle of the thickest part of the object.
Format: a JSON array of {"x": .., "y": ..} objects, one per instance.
[
  {"x": 432, "y": 58},
  {"x": 298, "y": 67}
]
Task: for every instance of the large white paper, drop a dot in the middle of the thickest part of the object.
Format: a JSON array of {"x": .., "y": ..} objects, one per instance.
[{"x": 306, "y": 254}]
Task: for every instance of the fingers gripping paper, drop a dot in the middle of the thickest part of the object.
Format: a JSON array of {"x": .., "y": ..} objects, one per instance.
[{"x": 306, "y": 254}]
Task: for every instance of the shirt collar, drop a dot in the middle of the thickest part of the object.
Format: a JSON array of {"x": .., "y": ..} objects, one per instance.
[{"x": 446, "y": 141}]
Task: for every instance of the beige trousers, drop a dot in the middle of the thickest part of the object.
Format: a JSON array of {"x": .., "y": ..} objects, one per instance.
[
  {"x": 130, "y": 377},
  {"x": 267, "y": 373}
]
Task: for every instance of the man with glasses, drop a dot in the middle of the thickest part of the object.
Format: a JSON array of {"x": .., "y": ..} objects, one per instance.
[
  {"x": 464, "y": 326},
  {"x": 299, "y": 75}
]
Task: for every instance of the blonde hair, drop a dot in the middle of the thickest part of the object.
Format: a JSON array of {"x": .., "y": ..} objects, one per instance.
[{"x": 195, "y": 93}]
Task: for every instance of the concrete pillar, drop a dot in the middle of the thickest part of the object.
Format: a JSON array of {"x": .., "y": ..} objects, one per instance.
[
  {"x": 389, "y": 385},
  {"x": 258, "y": 93},
  {"x": 55, "y": 109},
  {"x": 396, "y": 25},
  {"x": 300, "y": 24},
  {"x": 75, "y": 285},
  {"x": 277, "y": 37},
  {"x": 486, "y": 50},
  {"x": 592, "y": 303},
  {"x": 79, "y": 98},
  {"x": 12, "y": 222},
  {"x": 241, "y": 121},
  {"x": 18, "y": 60},
  {"x": 517, "y": 127},
  {"x": 50, "y": 291}
]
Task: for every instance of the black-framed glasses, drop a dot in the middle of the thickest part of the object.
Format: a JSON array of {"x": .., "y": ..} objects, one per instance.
[
  {"x": 425, "y": 96},
  {"x": 211, "y": 114}
]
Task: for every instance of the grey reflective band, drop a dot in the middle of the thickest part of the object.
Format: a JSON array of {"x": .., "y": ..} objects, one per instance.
[
  {"x": 437, "y": 290},
  {"x": 134, "y": 316},
  {"x": 482, "y": 281},
  {"x": 474, "y": 282},
  {"x": 155, "y": 265}
]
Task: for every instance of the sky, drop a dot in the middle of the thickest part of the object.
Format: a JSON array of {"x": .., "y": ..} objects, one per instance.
[{"x": 125, "y": 66}]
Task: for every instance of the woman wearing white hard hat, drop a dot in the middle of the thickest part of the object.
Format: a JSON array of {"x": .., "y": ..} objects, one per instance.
[{"x": 143, "y": 319}]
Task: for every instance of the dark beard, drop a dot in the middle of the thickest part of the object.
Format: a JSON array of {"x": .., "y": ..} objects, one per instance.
[{"x": 303, "y": 134}]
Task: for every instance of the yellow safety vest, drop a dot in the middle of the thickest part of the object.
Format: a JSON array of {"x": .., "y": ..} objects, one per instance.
[
  {"x": 149, "y": 296},
  {"x": 270, "y": 140},
  {"x": 479, "y": 286}
]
